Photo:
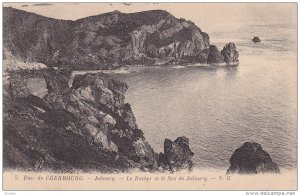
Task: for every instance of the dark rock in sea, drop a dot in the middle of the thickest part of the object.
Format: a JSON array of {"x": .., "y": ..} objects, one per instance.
[
  {"x": 177, "y": 155},
  {"x": 256, "y": 39},
  {"x": 250, "y": 158},
  {"x": 230, "y": 53},
  {"x": 214, "y": 56}
]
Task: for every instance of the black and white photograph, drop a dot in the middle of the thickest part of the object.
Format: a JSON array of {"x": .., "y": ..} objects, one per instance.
[{"x": 149, "y": 96}]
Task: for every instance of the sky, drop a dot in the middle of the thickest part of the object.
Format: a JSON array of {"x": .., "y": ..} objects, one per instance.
[{"x": 210, "y": 17}]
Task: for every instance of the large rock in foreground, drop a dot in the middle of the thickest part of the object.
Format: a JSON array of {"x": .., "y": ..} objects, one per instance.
[
  {"x": 85, "y": 127},
  {"x": 250, "y": 158},
  {"x": 177, "y": 155}
]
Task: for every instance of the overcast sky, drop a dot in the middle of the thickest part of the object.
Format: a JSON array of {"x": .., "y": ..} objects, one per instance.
[{"x": 208, "y": 16}]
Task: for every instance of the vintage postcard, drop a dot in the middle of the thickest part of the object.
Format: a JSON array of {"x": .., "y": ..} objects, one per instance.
[{"x": 150, "y": 96}]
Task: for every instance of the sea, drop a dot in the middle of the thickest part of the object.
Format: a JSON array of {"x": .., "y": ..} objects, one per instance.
[{"x": 220, "y": 108}]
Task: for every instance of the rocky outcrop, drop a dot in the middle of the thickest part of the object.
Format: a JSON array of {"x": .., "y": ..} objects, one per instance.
[
  {"x": 214, "y": 56},
  {"x": 108, "y": 41},
  {"x": 230, "y": 53},
  {"x": 250, "y": 158},
  {"x": 177, "y": 155},
  {"x": 18, "y": 87},
  {"x": 87, "y": 126}
]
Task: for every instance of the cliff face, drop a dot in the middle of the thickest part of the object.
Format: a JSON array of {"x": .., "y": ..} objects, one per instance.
[
  {"x": 85, "y": 127},
  {"x": 104, "y": 41}
]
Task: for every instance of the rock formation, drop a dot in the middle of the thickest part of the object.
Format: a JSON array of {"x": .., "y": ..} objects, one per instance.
[
  {"x": 87, "y": 127},
  {"x": 230, "y": 53},
  {"x": 109, "y": 40},
  {"x": 177, "y": 155},
  {"x": 250, "y": 158},
  {"x": 214, "y": 56}
]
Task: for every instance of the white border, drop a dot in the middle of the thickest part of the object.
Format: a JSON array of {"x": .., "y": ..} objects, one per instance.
[{"x": 123, "y": 193}]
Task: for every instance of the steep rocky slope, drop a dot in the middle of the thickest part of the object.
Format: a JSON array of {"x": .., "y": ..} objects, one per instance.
[
  {"x": 85, "y": 127},
  {"x": 108, "y": 40}
]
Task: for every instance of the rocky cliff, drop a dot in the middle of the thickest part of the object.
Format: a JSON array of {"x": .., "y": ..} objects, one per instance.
[
  {"x": 84, "y": 127},
  {"x": 108, "y": 40}
]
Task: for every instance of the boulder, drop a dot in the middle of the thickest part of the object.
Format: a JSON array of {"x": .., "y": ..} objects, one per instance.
[
  {"x": 102, "y": 140},
  {"x": 145, "y": 154},
  {"x": 101, "y": 89},
  {"x": 250, "y": 158},
  {"x": 177, "y": 155},
  {"x": 109, "y": 120}
]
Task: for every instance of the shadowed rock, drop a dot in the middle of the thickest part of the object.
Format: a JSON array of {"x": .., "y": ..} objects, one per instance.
[
  {"x": 72, "y": 128},
  {"x": 177, "y": 155},
  {"x": 214, "y": 56},
  {"x": 107, "y": 41},
  {"x": 87, "y": 127},
  {"x": 18, "y": 87},
  {"x": 230, "y": 53},
  {"x": 250, "y": 158}
]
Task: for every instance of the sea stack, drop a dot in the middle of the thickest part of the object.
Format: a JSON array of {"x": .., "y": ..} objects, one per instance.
[
  {"x": 177, "y": 155},
  {"x": 230, "y": 54},
  {"x": 250, "y": 158}
]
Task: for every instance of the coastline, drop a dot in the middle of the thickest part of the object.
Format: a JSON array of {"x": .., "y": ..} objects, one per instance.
[{"x": 83, "y": 133}]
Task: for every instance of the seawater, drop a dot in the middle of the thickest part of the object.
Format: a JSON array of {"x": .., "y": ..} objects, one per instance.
[{"x": 219, "y": 109}]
